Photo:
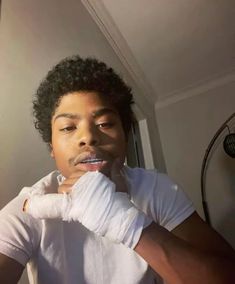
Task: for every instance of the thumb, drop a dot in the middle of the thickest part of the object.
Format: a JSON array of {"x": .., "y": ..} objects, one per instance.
[{"x": 118, "y": 177}]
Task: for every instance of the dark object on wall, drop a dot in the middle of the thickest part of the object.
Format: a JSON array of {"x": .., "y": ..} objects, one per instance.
[
  {"x": 229, "y": 144},
  {"x": 229, "y": 148}
]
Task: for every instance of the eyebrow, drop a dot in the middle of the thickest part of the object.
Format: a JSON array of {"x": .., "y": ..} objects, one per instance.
[
  {"x": 103, "y": 111},
  {"x": 95, "y": 114}
]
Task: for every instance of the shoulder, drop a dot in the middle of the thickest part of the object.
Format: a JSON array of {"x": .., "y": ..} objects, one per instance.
[
  {"x": 47, "y": 184},
  {"x": 143, "y": 186},
  {"x": 20, "y": 233},
  {"x": 148, "y": 181},
  {"x": 160, "y": 197},
  {"x": 140, "y": 175},
  {"x": 13, "y": 213}
]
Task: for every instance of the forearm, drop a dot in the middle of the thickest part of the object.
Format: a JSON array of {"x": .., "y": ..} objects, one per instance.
[
  {"x": 180, "y": 263},
  {"x": 10, "y": 270}
]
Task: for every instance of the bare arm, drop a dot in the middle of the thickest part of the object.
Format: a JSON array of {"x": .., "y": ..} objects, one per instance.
[
  {"x": 10, "y": 270},
  {"x": 192, "y": 253}
]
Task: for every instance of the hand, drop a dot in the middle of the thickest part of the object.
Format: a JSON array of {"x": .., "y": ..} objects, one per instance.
[
  {"x": 94, "y": 202},
  {"x": 97, "y": 205},
  {"x": 68, "y": 183},
  {"x": 116, "y": 175}
]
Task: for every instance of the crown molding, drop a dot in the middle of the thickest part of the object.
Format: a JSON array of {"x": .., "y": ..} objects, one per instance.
[
  {"x": 105, "y": 22},
  {"x": 187, "y": 93}
]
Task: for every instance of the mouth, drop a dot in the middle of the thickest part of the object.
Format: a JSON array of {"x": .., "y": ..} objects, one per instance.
[{"x": 91, "y": 162}]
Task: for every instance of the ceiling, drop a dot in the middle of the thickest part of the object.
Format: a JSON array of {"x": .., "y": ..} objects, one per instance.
[{"x": 172, "y": 48}]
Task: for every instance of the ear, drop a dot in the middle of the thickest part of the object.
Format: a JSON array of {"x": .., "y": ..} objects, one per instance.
[{"x": 51, "y": 151}]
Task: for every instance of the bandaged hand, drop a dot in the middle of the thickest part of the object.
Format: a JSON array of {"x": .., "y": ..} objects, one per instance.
[{"x": 94, "y": 202}]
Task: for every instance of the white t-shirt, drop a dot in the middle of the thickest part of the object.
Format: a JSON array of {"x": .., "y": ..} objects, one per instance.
[{"x": 59, "y": 252}]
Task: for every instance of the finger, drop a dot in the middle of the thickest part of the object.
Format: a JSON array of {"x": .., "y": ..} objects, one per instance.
[
  {"x": 64, "y": 188},
  {"x": 117, "y": 176},
  {"x": 25, "y": 205},
  {"x": 70, "y": 181},
  {"x": 67, "y": 184},
  {"x": 77, "y": 174},
  {"x": 116, "y": 166}
]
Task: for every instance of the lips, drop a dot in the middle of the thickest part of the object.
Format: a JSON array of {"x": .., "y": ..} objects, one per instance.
[
  {"x": 89, "y": 157},
  {"x": 92, "y": 161}
]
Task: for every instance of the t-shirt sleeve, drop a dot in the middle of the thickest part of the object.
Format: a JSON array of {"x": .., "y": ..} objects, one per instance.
[
  {"x": 159, "y": 197},
  {"x": 170, "y": 205},
  {"x": 19, "y": 232}
]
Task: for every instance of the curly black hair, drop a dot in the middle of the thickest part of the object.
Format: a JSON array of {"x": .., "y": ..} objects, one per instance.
[{"x": 74, "y": 74}]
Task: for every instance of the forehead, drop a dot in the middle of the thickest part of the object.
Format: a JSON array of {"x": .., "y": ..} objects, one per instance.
[{"x": 83, "y": 102}]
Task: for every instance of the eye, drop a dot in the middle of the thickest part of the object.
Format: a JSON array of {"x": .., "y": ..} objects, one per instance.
[
  {"x": 105, "y": 125},
  {"x": 68, "y": 128}
]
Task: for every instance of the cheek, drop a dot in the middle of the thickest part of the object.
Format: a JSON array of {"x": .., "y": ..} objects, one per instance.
[
  {"x": 59, "y": 150},
  {"x": 121, "y": 146}
]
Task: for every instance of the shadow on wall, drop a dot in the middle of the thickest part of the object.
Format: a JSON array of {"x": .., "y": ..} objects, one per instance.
[
  {"x": 227, "y": 224},
  {"x": 220, "y": 187},
  {"x": 229, "y": 165},
  {"x": 227, "y": 227}
]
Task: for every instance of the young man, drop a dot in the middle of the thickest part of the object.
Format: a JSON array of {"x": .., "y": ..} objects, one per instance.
[{"x": 96, "y": 220}]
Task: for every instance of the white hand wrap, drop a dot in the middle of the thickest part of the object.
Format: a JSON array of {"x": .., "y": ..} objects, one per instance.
[
  {"x": 47, "y": 206},
  {"x": 94, "y": 202}
]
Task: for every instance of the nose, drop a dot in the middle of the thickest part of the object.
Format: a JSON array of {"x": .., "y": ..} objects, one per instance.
[{"x": 89, "y": 136}]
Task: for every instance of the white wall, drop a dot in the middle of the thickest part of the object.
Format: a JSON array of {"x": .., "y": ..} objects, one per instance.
[{"x": 186, "y": 128}]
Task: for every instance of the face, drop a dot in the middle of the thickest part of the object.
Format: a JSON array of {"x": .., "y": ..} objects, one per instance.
[{"x": 87, "y": 134}]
